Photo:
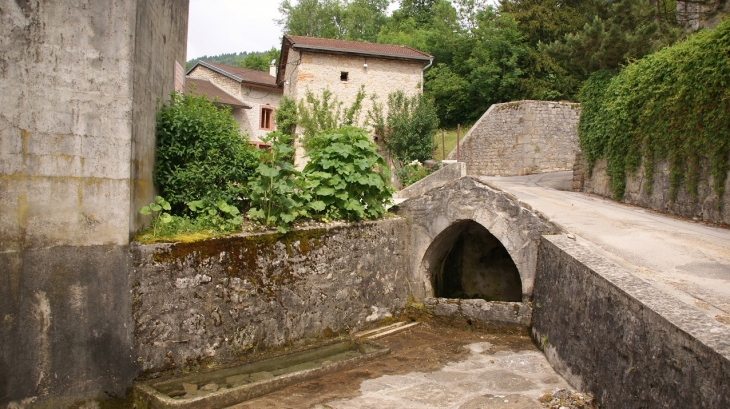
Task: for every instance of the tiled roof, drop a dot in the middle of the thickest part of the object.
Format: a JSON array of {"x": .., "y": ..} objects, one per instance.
[
  {"x": 241, "y": 74},
  {"x": 357, "y": 47},
  {"x": 200, "y": 86}
]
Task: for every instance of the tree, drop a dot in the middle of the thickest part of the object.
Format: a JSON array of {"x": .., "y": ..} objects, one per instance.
[
  {"x": 619, "y": 33},
  {"x": 313, "y": 18},
  {"x": 260, "y": 61},
  {"x": 358, "y": 20},
  {"x": 485, "y": 69}
]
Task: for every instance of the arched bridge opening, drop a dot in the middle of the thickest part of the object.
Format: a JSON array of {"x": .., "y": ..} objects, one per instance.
[{"x": 467, "y": 261}]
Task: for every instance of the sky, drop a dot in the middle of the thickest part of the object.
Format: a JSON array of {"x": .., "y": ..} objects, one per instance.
[{"x": 231, "y": 26}]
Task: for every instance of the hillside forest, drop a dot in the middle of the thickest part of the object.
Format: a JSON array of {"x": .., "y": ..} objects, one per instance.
[{"x": 485, "y": 54}]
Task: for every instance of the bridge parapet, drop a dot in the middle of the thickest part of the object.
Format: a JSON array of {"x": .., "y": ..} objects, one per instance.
[{"x": 516, "y": 225}]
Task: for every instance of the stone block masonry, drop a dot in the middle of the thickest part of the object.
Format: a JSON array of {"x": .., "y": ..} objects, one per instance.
[
  {"x": 611, "y": 334},
  {"x": 223, "y": 299},
  {"x": 519, "y": 138},
  {"x": 707, "y": 205}
]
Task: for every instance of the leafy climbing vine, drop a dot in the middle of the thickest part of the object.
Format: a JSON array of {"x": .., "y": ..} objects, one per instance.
[{"x": 673, "y": 105}]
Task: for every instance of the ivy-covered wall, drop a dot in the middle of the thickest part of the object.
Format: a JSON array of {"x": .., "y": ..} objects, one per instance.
[
  {"x": 661, "y": 126},
  {"x": 222, "y": 299}
]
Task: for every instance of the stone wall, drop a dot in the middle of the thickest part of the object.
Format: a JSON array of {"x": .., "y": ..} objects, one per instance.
[
  {"x": 706, "y": 206},
  {"x": 524, "y": 137},
  {"x": 515, "y": 224},
  {"x": 218, "y": 300},
  {"x": 448, "y": 173},
  {"x": 613, "y": 335},
  {"x": 79, "y": 82}
]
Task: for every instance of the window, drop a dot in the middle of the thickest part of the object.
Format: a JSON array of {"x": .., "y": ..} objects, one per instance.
[
  {"x": 267, "y": 117},
  {"x": 343, "y": 76}
]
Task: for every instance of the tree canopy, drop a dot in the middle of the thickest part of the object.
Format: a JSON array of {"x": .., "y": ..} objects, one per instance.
[{"x": 485, "y": 54}]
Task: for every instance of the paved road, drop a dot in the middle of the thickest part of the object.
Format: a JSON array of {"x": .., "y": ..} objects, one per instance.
[{"x": 686, "y": 259}]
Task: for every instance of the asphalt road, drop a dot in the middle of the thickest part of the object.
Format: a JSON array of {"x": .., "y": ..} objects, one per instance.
[{"x": 685, "y": 259}]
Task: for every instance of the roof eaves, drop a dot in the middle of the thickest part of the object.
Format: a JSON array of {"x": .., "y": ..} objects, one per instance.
[
  {"x": 218, "y": 70},
  {"x": 368, "y": 53}
]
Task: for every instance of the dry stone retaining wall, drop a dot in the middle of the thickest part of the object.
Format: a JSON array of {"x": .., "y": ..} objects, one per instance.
[
  {"x": 222, "y": 299},
  {"x": 707, "y": 206},
  {"x": 524, "y": 137}
]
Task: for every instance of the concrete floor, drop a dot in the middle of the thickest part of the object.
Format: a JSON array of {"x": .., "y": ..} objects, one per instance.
[
  {"x": 432, "y": 367},
  {"x": 688, "y": 260}
]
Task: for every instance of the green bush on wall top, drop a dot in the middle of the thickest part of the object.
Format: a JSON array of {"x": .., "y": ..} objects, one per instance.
[
  {"x": 201, "y": 153},
  {"x": 673, "y": 105}
]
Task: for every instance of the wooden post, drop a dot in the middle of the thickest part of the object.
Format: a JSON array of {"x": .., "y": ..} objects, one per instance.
[
  {"x": 443, "y": 145},
  {"x": 458, "y": 132}
]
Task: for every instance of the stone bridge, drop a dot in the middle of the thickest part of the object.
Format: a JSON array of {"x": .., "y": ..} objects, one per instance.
[{"x": 468, "y": 239}]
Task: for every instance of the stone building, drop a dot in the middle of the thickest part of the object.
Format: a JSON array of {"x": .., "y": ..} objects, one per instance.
[
  {"x": 344, "y": 67},
  {"x": 312, "y": 64},
  {"x": 252, "y": 95}
]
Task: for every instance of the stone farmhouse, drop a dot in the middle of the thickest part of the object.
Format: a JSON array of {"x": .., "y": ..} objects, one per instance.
[
  {"x": 311, "y": 64},
  {"x": 252, "y": 95}
]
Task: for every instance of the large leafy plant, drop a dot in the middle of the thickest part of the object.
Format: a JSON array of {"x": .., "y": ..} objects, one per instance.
[
  {"x": 347, "y": 178},
  {"x": 277, "y": 191}
]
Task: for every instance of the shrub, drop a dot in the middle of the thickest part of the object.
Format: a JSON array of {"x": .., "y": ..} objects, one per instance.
[
  {"x": 200, "y": 153},
  {"x": 347, "y": 178},
  {"x": 326, "y": 113},
  {"x": 408, "y": 128},
  {"x": 413, "y": 172}
]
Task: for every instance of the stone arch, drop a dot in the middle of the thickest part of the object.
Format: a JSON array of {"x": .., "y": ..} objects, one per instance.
[
  {"x": 467, "y": 261},
  {"x": 514, "y": 224}
]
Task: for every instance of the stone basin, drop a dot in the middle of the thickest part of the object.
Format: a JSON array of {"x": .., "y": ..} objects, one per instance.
[{"x": 224, "y": 387}]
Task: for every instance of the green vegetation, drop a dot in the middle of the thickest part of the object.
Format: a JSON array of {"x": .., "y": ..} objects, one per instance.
[
  {"x": 260, "y": 61},
  {"x": 672, "y": 105},
  {"x": 200, "y": 154},
  {"x": 347, "y": 178},
  {"x": 449, "y": 140},
  {"x": 324, "y": 114},
  {"x": 413, "y": 172},
  {"x": 521, "y": 49},
  {"x": 409, "y": 127},
  {"x": 278, "y": 190}
]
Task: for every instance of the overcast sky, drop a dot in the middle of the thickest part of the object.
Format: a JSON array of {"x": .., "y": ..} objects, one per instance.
[{"x": 231, "y": 26}]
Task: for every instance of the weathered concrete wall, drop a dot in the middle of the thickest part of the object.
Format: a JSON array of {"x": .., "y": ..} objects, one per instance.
[
  {"x": 222, "y": 299},
  {"x": 706, "y": 206},
  {"x": 523, "y": 137},
  {"x": 447, "y": 174},
  {"x": 75, "y": 153},
  {"x": 615, "y": 336},
  {"x": 160, "y": 40},
  {"x": 513, "y": 223}
]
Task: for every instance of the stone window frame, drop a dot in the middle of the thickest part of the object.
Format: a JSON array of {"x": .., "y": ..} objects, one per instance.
[{"x": 266, "y": 117}]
